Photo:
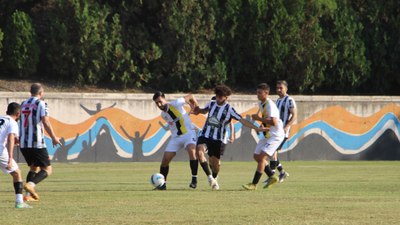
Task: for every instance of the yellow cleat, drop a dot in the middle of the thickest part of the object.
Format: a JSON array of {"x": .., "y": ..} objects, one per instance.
[
  {"x": 270, "y": 181},
  {"x": 250, "y": 186},
  {"x": 29, "y": 198},
  {"x": 31, "y": 190}
]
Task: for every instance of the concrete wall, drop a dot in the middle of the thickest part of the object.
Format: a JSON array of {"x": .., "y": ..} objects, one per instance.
[{"x": 128, "y": 127}]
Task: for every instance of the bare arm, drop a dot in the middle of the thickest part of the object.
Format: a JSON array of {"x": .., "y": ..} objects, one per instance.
[
  {"x": 251, "y": 125},
  {"x": 49, "y": 130},
  {"x": 232, "y": 138},
  {"x": 10, "y": 149},
  {"x": 293, "y": 118}
]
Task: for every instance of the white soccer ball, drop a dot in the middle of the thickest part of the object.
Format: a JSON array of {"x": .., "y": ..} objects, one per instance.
[{"x": 157, "y": 180}]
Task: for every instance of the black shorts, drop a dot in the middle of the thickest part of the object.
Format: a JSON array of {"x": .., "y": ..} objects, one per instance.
[
  {"x": 36, "y": 156},
  {"x": 223, "y": 146},
  {"x": 283, "y": 142},
  {"x": 213, "y": 146}
]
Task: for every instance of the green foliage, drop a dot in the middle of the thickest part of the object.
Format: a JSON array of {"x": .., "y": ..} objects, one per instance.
[
  {"x": 318, "y": 46},
  {"x": 22, "y": 51},
  {"x": 1, "y": 43}
]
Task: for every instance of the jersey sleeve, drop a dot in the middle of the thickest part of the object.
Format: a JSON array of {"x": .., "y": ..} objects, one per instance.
[
  {"x": 208, "y": 106},
  {"x": 180, "y": 101},
  {"x": 13, "y": 129},
  {"x": 272, "y": 110},
  {"x": 292, "y": 103},
  {"x": 44, "y": 110},
  {"x": 234, "y": 114}
]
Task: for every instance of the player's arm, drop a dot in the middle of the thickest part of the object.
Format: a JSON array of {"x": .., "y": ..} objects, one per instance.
[
  {"x": 10, "y": 149},
  {"x": 232, "y": 138},
  {"x": 251, "y": 125},
  {"x": 270, "y": 121},
  {"x": 293, "y": 118},
  {"x": 49, "y": 130},
  {"x": 191, "y": 100},
  {"x": 256, "y": 116}
]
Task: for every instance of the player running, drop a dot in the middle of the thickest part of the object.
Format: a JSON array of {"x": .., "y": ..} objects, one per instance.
[
  {"x": 267, "y": 146},
  {"x": 8, "y": 135},
  {"x": 35, "y": 117},
  {"x": 220, "y": 114}
]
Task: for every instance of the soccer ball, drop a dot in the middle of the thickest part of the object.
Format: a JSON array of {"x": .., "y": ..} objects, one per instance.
[{"x": 157, "y": 180}]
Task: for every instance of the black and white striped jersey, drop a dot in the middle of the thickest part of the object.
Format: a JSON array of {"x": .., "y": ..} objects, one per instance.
[
  {"x": 31, "y": 126},
  {"x": 219, "y": 116},
  {"x": 284, "y": 105}
]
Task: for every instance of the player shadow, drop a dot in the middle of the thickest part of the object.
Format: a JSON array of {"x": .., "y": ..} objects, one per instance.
[
  {"x": 61, "y": 154},
  {"x": 98, "y": 108},
  {"x": 137, "y": 142}
]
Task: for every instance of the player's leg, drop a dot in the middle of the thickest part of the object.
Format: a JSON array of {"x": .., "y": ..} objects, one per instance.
[
  {"x": 260, "y": 157},
  {"x": 200, "y": 151},
  {"x": 18, "y": 187},
  {"x": 41, "y": 159},
  {"x": 194, "y": 164},
  {"x": 275, "y": 163}
]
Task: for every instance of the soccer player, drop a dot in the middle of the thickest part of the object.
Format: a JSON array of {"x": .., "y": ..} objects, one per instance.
[
  {"x": 267, "y": 146},
  {"x": 35, "y": 117},
  {"x": 288, "y": 114},
  {"x": 220, "y": 114},
  {"x": 8, "y": 136},
  {"x": 182, "y": 132}
]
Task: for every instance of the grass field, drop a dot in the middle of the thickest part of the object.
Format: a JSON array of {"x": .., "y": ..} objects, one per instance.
[{"x": 324, "y": 192}]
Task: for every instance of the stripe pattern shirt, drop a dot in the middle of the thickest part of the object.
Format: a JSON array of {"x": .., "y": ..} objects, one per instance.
[
  {"x": 285, "y": 104},
  {"x": 31, "y": 126},
  {"x": 219, "y": 116},
  {"x": 7, "y": 126},
  {"x": 268, "y": 109},
  {"x": 177, "y": 118}
]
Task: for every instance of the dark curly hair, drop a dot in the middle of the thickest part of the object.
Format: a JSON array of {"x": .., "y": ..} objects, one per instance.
[{"x": 222, "y": 90}]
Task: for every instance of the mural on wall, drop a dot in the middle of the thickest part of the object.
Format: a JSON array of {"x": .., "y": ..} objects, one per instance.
[{"x": 112, "y": 134}]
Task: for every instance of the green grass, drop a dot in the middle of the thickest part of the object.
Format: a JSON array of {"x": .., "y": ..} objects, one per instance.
[{"x": 325, "y": 192}]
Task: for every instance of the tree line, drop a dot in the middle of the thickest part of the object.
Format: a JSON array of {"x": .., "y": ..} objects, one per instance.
[{"x": 318, "y": 46}]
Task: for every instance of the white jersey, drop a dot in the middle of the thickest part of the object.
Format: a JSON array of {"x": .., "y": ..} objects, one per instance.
[
  {"x": 31, "y": 126},
  {"x": 177, "y": 118},
  {"x": 7, "y": 126},
  {"x": 268, "y": 109},
  {"x": 284, "y": 105}
]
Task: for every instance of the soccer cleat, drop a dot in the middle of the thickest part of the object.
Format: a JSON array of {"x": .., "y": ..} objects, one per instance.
[
  {"x": 22, "y": 205},
  {"x": 211, "y": 181},
  {"x": 215, "y": 186},
  {"x": 193, "y": 184},
  {"x": 283, "y": 176},
  {"x": 161, "y": 188},
  {"x": 31, "y": 190},
  {"x": 250, "y": 186},
  {"x": 29, "y": 198},
  {"x": 270, "y": 181}
]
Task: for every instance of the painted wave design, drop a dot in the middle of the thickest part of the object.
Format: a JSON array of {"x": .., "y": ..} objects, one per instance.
[
  {"x": 348, "y": 133},
  {"x": 344, "y": 142}
]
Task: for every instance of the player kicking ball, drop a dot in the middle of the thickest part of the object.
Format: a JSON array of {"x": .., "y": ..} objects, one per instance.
[
  {"x": 182, "y": 132},
  {"x": 8, "y": 134},
  {"x": 267, "y": 146}
]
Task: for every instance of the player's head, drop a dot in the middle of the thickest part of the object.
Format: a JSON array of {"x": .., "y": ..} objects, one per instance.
[
  {"x": 222, "y": 93},
  {"x": 37, "y": 90},
  {"x": 281, "y": 87},
  {"x": 262, "y": 91},
  {"x": 14, "y": 109},
  {"x": 159, "y": 99}
]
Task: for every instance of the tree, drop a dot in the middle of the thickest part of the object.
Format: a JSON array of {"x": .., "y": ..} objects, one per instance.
[{"x": 21, "y": 51}]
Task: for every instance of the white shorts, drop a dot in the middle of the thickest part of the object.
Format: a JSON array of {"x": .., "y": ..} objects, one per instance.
[
  {"x": 181, "y": 141},
  {"x": 268, "y": 145},
  {"x": 4, "y": 162}
]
